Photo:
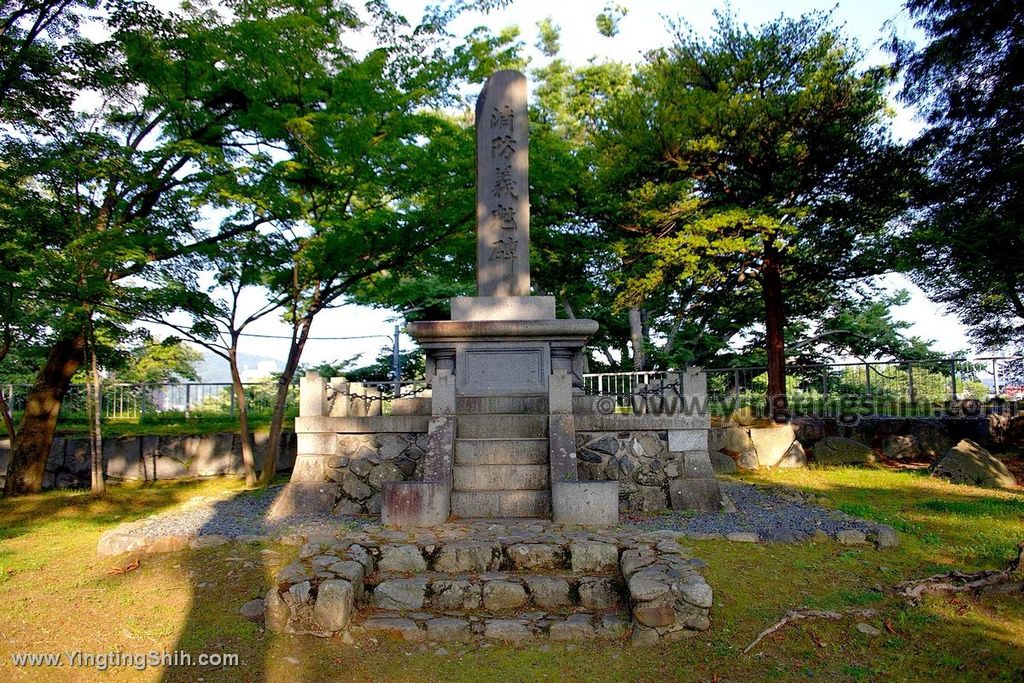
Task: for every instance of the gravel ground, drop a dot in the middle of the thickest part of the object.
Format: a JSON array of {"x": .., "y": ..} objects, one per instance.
[
  {"x": 240, "y": 515},
  {"x": 771, "y": 516}
]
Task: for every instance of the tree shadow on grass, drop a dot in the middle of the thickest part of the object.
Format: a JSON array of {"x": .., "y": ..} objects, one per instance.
[{"x": 224, "y": 578}]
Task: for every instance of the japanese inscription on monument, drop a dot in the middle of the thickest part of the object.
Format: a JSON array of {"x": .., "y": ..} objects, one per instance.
[{"x": 502, "y": 187}]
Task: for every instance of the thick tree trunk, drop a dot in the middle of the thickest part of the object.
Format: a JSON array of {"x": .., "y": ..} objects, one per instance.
[
  {"x": 636, "y": 338},
  {"x": 42, "y": 407},
  {"x": 774, "y": 323},
  {"x": 277, "y": 421},
  {"x": 5, "y": 409},
  {"x": 248, "y": 461}
]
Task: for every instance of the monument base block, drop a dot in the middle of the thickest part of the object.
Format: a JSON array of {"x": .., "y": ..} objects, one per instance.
[
  {"x": 410, "y": 504},
  {"x": 503, "y": 308},
  {"x": 585, "y": 503}
]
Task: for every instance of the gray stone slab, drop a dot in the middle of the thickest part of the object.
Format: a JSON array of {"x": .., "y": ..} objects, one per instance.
[
  {"x": 687, "y": 440},
  {"x": 489, "y": 477},
  {"x": 503, "y": 308},
  {"x": 528, "y": 403},
  {"x": 586, "y": 503},
  {"x": 501, "y": 452},
  {"x": 695, "y": 494},
  {"x": 415, "y": 504},
  {"x": 488, "y": 369},
  {"x": 363, "y": 425},
  {"x": 502, "y": 426},
  {"x": 501, "y": 503}
]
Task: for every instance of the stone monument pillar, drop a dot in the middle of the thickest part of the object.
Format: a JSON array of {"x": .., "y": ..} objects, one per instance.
[{"x": 502, "y": 187}]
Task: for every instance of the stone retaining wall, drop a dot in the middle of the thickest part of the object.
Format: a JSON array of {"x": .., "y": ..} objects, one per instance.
[
  {"x": 152, "y": 458},
  {"x": 645, "y": 463},
  {"x": 749, "y": 446}
]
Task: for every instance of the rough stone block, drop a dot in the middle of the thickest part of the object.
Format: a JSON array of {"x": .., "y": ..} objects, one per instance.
[
  {"x": 448, "y": 629},
  {"x": 548, "y": 591},
  {"x": 687, "y": 440},
  {"x": 402, "y": 558},
  {"x": 772, "y": 443},
  {"x": 585, "y": 503},
  {"x": 503, "y": 595},
  {"x": 593, "y": 556},
  {"x": 415, "y": 504},
  {"x": 302, "y": 498},
  {"x": 536, "y": 556},
  {"x": 400, "y": 594},
  {"x": 334, "y": 605},
  {"x": 697, "y": 465},
  {"x": 695, "y": 494},
  {"x": 598, "y": 594},
  {"x": 455, "y": 594},
  {"x": 468, "y": 556}
]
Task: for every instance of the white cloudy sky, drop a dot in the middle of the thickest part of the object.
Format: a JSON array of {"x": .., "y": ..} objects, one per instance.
[{"x": 644, "y": 27}]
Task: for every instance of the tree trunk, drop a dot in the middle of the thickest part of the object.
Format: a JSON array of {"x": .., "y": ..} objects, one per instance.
[
  {"x": 5, "y": 409},
  {"x": 5, "y": 412},
  {"x": 277, "y": 421},
  {"x": 248, "y": 461},
  {"x": 94, "y": 410},
  {"x": 42, "y": 407},
  {"x": 636, "y": 338},
  {"x": 774, "y": 323}
]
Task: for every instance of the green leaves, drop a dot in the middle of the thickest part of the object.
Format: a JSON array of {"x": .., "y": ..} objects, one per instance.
[{"x": 964, "y": 246}]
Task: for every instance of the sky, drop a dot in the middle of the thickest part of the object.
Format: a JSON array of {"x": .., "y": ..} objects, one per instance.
[{"x": 644, "y": 27}]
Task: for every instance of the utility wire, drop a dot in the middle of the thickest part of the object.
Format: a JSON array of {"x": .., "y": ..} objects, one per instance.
[{"x": 288, "y": 336}]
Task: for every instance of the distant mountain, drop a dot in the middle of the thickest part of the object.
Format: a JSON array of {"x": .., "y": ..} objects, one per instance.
[{"x": 215, "y": 369}]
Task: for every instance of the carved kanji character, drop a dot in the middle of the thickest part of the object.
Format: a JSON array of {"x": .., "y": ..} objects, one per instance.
[
  {"x": 504, "y": 183},
  {"x": 502, "y": 117},
  {"x": 506, "y": 216},
  {"x": 505, "y": 249},
  {"x": 503, "y": 146}
]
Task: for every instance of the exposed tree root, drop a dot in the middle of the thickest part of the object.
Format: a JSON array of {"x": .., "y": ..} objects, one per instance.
[
  {"x": 798, "y": 614},
  {"x": 962, "y": 582}
]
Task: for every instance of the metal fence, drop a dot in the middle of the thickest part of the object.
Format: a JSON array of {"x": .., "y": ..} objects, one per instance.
[
  {"x": 893, "y": 387},
  {"x": 162, "y": 401},
  {"x": 137, "y": 402}
]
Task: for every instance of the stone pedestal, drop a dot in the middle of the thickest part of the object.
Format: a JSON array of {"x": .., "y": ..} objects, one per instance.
[{"x": 503, "y": 357}]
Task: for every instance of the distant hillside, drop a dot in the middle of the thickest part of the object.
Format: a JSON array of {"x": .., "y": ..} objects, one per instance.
[{"x": 213, "y": 368}]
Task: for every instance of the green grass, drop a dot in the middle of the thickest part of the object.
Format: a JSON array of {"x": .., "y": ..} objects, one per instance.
[
  {"x": 58, "y": 596},
  {"x": 170, "y": 426}
]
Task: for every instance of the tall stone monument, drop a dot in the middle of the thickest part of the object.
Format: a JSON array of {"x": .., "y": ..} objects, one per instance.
[
  {"x": 513, "y": 367},
  {"x": 502, "y": 188}
]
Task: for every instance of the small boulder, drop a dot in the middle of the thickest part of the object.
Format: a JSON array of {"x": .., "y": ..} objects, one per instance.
[
  {"x": 334, "y": 605},
  {"x": 838, "y": 450},
  {"x": 772, "y": 443},
  {"x": 901, "y": 447},
  {"x": 969, "y": 463},
  {"x": 253, "y": 610}
]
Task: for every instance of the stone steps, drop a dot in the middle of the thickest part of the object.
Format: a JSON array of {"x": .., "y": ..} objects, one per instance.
[
  {"x": 497, "y": 477},
  {"x": 520, "y": 405},
  {"x": 501, "y": 426},
  {"x": 496, "y": 593},
  {"x": 529, "y": 626},
  {"x": 501, "y": 452},
  {"x": 503, "y": 584},
  {"x": 501, "y": 503}
]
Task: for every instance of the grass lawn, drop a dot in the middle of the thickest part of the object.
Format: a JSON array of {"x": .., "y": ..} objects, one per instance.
[{"x": 57, "y": 596}]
